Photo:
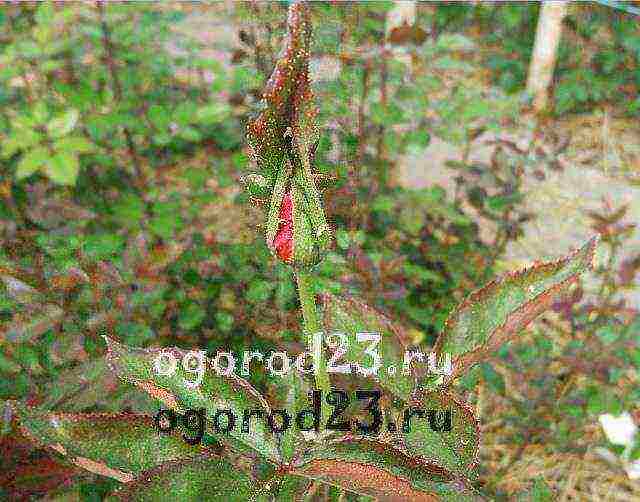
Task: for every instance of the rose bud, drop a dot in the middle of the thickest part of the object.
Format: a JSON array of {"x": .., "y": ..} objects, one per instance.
[
  {"x": 294, "y": 241},
  {"x": 283, "y": 138}
]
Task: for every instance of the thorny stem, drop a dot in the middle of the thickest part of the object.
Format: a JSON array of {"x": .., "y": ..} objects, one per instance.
[{"x": 312, "y": 325}]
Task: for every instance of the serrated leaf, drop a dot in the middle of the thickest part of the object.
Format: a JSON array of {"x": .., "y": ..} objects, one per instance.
[
  {"x": 31, "y": 161},
  {"x": 455, "y": 450},
  {"x": 207, "y": 477},
  {"x": 216, "y": 392},
  {"x": 74, "y": 144},
  {"x": 380, "y": 470},
  {"x": 117, "y": 445},
  {"x": 492, "y": 315},
  {"x": 62, "y": 168},
  {"x": 350, "y": 316},
  {"x": 63, "y": 124}
]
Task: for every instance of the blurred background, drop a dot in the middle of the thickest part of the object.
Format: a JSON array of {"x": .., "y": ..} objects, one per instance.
[{"x": 456, "y": 144}]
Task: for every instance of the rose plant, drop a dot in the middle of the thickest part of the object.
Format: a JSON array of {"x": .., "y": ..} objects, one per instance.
[{"x": 418, "y": 464}]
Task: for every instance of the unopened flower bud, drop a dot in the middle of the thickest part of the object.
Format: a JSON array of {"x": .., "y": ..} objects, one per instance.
[{"x": 283, "y": 139}]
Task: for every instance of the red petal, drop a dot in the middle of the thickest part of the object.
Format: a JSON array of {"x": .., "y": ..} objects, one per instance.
[
  {"x": 283, "y": 241},
  {"x": 286, "y": 208}
]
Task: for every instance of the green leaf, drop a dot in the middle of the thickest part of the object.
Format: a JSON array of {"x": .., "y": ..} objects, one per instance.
[
  {"x": 493, "y": 379},
  {"x": 259, "y": 291},
  {"x": 383, "y": 203},
  {"x": 291, "y": 488},
  {"x": 350, "y": 316},
  {"x": 421, "y": 274},
  {"x": 455, "y": 450},
  {"x": 540, "y": 492},
  {"x": 191, "y": 316},
  {"x": 22, "y": 139},
  {"x": 40, "y": 112},
  {"x": 213, "y": 114},
  {"x": 257, "y": 185},
  {"x": 103, "y": 246},
  {"x": 494, "y": 314},
  {"x": 166, "y": 224},
  {"x": 343, "y": 239},
  {"x": 31, "y": 161},
  {"x": 207, "y": 477},
  {"x": 159, "y": 116},
  {"x": 74, "y": 144},
  {"x": 118, "y": 445},
  {"x": 499, "y": 203},
  {"x": 388, "y": 114},
  {"x": 214, "y": 393},
  {"x": 63, "y": 124},
  {"x": 10, "y": 146},
  {"x": 129, "y": 210},
  {"x": 189, "y": 133},
  {"x": 81, "y": 385},
  {"x": 63, "y": 168},
  {"x": 27, "y": 356},
  {"x": 44, "y": 13},
  {"x": 380, "y": 470},
  {"x": 291, "y": 395},
  {"x": 608, "y": 334}
]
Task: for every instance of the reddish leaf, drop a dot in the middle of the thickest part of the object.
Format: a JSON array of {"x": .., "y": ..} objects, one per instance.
[
  {"x": 492, "y": 315},
  {"x": 117, "y": 446},
  {"x": 380, "y": 470}
]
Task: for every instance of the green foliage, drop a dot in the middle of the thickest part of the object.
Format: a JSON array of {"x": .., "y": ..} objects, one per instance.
[
  {"x": 212, "y": 393},
  {"x": 121, "y": 216},
  {"x": 106, "y": 440},
  {"x": 443, "y": 456}
]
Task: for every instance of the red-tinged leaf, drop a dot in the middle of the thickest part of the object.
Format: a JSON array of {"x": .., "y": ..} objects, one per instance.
[
  {"x": 118, "y": 445},
  {"x": 492, "y": 315},
  {"x": 350, "y": 316},
  {"x": 207, "y": 477},
  {"x": 380, "y": 470},
  {"x": 24, "y": 474}
]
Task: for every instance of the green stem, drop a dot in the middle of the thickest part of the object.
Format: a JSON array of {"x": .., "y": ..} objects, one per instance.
[{"x": 312, "y": 325}]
